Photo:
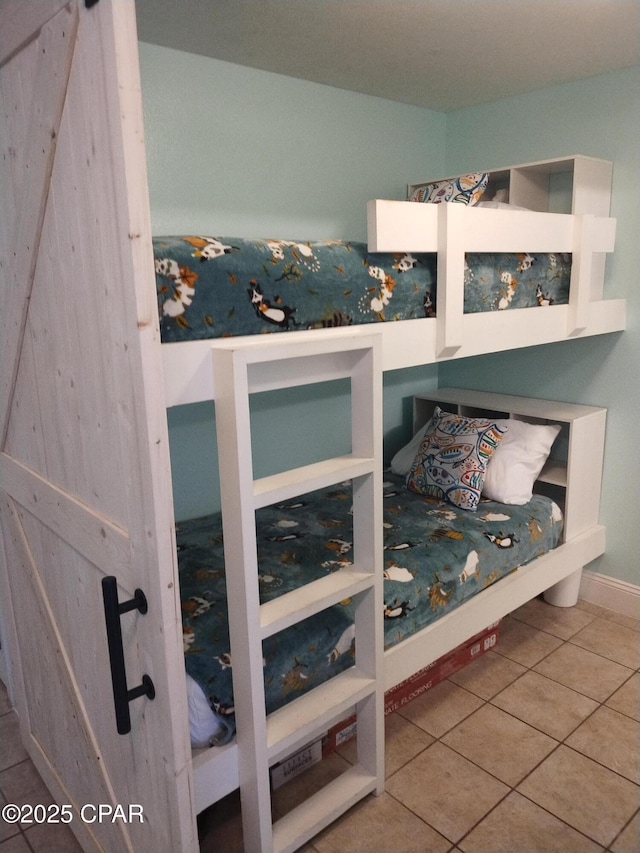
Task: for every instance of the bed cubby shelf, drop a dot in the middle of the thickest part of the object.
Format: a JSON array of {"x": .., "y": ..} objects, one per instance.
[
  {"x": 577, "y": 475},
  {"x": 573, "y": 184},
  {"x": 554, "y": 473},
  {"x": 242, "y": 367}
]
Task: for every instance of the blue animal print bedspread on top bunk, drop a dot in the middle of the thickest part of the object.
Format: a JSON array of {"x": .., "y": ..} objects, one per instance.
[
  {"x": 436, "y": 556},
  {"x": 211, "y": 287}
]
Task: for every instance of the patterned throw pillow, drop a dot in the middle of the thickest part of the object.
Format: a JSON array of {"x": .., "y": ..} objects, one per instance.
[
  {"x": 453, "y": 457},
  {"x": 467, "y": 189}
]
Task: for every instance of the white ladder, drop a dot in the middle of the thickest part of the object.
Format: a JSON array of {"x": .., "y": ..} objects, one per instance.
[{"x": 278, "y": 361}]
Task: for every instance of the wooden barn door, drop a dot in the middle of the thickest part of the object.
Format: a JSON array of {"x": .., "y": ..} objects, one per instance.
[{"x": 84, "y": 468}]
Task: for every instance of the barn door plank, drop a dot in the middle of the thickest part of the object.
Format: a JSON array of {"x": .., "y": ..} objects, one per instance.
[
  {"x": 93, "y": 535},
  {"x": 52, "y": 62},
  {"x": 74, "y": 736},
  {"x": 86, "y": 488},
  {"x": 21, "y": 19}
]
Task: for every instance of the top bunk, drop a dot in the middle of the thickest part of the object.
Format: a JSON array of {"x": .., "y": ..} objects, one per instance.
[{"x": 441, "y": 281}]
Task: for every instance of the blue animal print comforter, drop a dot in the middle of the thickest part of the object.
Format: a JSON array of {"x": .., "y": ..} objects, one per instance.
[
  {"x": 211, "y": 287},
  {"x": 436, "y": 556}
]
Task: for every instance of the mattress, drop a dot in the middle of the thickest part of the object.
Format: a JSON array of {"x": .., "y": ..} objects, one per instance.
[
  {"x": 212, "y": 287},
  {"x": 435, "y": 557}
]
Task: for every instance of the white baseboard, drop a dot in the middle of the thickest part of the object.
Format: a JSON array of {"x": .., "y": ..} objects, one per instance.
[{"x": 614, "y": 594}]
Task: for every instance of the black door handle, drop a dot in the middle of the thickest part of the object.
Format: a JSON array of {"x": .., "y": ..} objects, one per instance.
[{"x": 112, "y": 612}]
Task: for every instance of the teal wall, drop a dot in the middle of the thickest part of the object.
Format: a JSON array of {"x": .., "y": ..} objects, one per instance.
[
  {"x": 247, "y": 153},
  {"x": 599, "y": 117},
  {"x": 283, "y": 157},
  {"x": 275, "y": 157}
]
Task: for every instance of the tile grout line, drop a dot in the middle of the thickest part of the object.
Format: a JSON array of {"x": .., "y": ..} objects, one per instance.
[
  {"x": 531, "y": 668},
  {"x": 513, "y": 789},
  {"x": 625, "y": 827},
  {"x": 598, "y": 707}
]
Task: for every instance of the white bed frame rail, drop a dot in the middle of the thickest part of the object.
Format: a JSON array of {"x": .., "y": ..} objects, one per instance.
[
  {"x": 242, "y": 367},
  {"x": 451, "y": 230}
]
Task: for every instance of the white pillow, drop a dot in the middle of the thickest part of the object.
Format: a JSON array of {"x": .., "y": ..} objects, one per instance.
[
  {"x": 204, "y": 727},
  {"x": 403, "y": 460},
  {"x": 517, "y": 461}
]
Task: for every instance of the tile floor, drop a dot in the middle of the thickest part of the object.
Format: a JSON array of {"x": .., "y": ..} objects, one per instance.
[{"x": 533, "y": 747}]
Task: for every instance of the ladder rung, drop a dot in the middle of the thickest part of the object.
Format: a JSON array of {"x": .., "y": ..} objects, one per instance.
[
  {"x": 297, "y": 481},
  {"x": 298, "y": 722},
  {"x": 319, "y": 810},
  {"x": 299, "y": 604}
]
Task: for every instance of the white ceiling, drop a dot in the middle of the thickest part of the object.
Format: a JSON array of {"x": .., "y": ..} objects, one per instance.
[{"x": 440, "y": 54}]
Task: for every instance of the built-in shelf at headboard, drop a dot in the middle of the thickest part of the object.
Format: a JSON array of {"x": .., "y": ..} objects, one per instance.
[{"x": 573, "y": 474}]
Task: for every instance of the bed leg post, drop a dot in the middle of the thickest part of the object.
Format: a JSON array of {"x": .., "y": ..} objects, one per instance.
[{"x": 565, "y": 593}]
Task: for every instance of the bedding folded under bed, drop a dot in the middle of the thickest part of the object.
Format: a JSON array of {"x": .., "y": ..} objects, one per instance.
[
  {"x": 211, "y": 287},
  {"x": 436, "y": 556}
]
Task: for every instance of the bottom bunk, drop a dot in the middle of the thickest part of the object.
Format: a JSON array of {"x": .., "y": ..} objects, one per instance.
[
  {"x": 436, "y": 556},
  {"x": 216, "y": 769},
  {"x": 489, "y": 563}
]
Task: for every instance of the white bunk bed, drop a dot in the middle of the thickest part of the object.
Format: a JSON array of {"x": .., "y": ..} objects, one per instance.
[
  {"x": 85, "y": 470},
  {"x": 193, "y": 373}
]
